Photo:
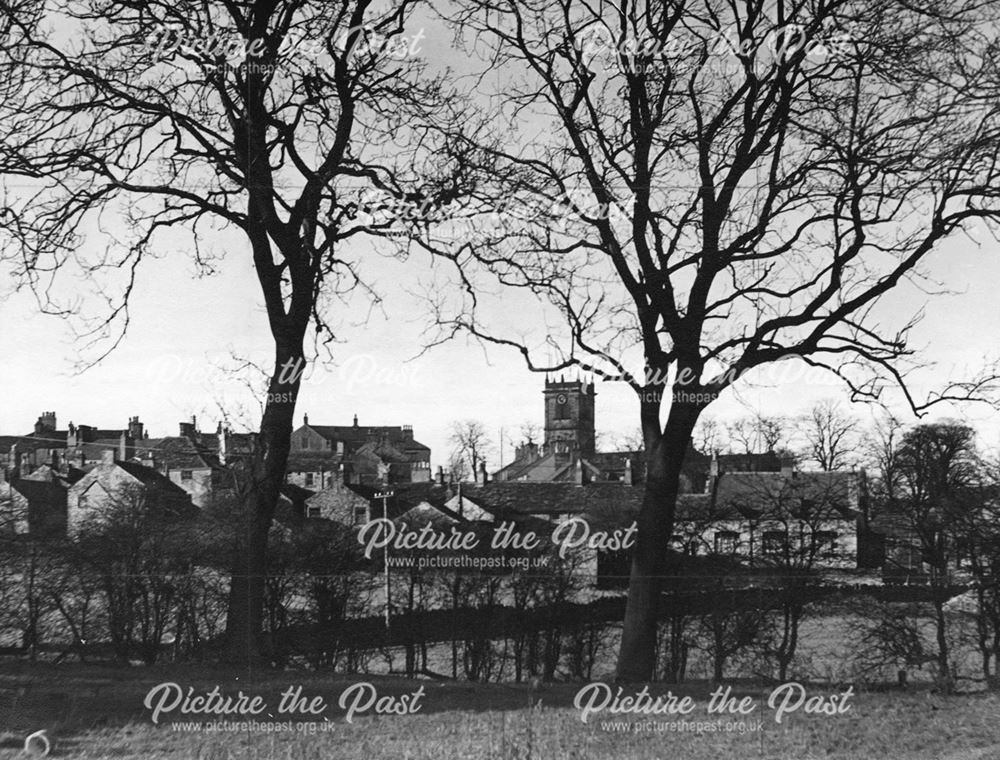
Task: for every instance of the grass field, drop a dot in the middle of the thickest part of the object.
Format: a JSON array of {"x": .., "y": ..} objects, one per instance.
[{"x": 98, "y": 712}]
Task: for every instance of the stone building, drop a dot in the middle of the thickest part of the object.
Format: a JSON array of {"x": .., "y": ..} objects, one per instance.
[
  {"x": 114, "y": 487},
  {"x": 356, "y": 454},
  {"x": 568, "y": 451}
]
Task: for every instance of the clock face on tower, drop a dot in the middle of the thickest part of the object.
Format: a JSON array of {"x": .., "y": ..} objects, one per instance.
[{"x": 561, "y": 399}]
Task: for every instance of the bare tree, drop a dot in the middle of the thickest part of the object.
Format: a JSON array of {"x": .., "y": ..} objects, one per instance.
[
  {"x": 829, "y": 434},
  {"x": 938, "y": 491},
  {"x": 708, "y": 436},
  {"x": 698, "y": 189},
  {"x": 471, "y": 446},
  {"x": 211, "y": 125},
  {"x": 531, "y": 432},
  {"x": 881, "y": 450},
  {"x": 755, "y": 434},
  {"x": 138, "y": 548}
]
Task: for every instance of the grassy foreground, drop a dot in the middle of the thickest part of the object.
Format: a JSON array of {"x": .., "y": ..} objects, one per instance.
[{"x": 94, "y": 712}]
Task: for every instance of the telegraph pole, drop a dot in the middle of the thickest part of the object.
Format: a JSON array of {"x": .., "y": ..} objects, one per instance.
[{"x": 385, "y": 496}]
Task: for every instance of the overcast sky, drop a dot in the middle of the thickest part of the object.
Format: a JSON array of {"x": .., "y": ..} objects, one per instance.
[{"x": 184, "y": 331}]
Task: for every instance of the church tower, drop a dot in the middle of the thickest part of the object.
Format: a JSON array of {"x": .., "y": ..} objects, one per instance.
[{"x": 569, "y": 417}]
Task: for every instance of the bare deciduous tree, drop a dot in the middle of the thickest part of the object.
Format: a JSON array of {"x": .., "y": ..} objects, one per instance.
[
  {"x": 708, "y": 436},
  {"x": 938, "y": 491},
  {"x": 755, "y": 434},
  {"x": 693, "y": 191},
  {"x": 829, "y": 434},
  {"x": 471, "y": 446},
  {"x": 147, "y": 126}
]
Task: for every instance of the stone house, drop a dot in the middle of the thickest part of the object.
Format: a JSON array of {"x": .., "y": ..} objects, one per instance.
[
  {"x": 114, "y": 485},
  {"x": 36, "y": 503},
  {"x": 356, "y": 454},
  {"x": 789, "y": 518}
]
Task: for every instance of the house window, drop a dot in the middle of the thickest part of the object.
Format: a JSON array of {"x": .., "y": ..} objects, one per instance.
[
  {"x": 309, "y": 478},
  {"x": 774, "y": 542},
  {"x": 726, "y": 541},
  {"x": 185, "y": 474},
  {"x": 360, "y": 515},
  {"x": 314, "y": 512},
  {"x": 82, "y": 502},
  {"x": 825, "y": 543}
]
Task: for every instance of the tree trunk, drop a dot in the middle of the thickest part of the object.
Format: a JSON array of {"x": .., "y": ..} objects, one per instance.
[
  {"x": 245, "y": 616},
  {"x": 664, "y": 458},
  {"x": 792, "y": 614},
  {"x": 944, "y": 672}
]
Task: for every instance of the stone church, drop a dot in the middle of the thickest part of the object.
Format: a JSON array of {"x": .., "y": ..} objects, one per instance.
[{"x": 568, "y": 452}]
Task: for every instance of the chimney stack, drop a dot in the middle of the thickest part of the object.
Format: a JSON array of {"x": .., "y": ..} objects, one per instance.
[
  {"x": 135, "y": 429},
  {"x": 440, "y": 475},
  {"x": 46, "y": 423},
  {"x": 15, "y": 460},
  {"x": 628, "y": 472},
  {"x": 482, "y": 472},
  {"x": 189, "y": 429},
  {"x": 355, "y": 420},
  {"x": 108, "y": 456},
  {"x": 223, "y": 434}
]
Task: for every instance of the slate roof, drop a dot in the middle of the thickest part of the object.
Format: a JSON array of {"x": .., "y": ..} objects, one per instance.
[
  {"x": 424, "y": 513},
  {"x": 613, "y": 461},
  {"x": 176, "y": 452},
  {"x": 826, "y": 495},
  {"x": 405, "y": 496},
  {"x": 153, "y": 479},
  {"x": 313, "y": 461},
  {"x": 384, "y": 451},
  {"x": 520, "y": 497},
  {"x": 48, "y": 439},
  {"x": 517, "y": 468},
  {"x": 41, "y": 491},
  {"x": 809, "y": 495},
  {"x": 354, "y": 437},
  {"x": 64, "y": 478}
]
